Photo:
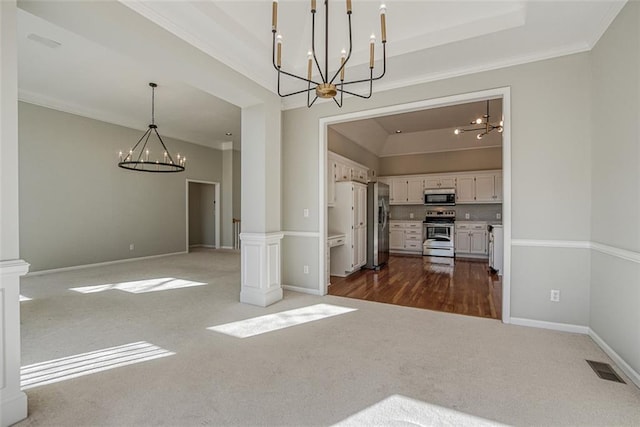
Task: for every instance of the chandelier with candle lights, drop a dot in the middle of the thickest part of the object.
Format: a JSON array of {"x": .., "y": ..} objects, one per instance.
[
  {"x": 483, "y": 125},
  {"x": 327, "y": 86},
  {"x": 143, "y": 157}
]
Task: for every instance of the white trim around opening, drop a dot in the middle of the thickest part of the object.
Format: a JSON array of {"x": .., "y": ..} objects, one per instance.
[{"x": 505, "y": 94}]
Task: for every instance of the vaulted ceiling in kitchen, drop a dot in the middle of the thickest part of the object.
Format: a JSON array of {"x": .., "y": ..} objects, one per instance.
[{"x": 424, "y": 131}]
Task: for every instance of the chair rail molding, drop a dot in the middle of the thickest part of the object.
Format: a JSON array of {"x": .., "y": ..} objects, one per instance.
[{"x": 261, "y": 278}]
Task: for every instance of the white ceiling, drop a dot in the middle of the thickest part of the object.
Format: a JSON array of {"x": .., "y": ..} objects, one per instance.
[
  {"x": 424, "y": 131},
  {"x": 428, "y": 40}
]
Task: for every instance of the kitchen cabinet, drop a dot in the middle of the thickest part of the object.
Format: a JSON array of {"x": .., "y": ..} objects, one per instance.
[
  {"x": 396, "y": 238},
  {"x": 479, "y": 188},
  {"x": 405, "y": 237},
  {"x": 465, "y": 189},
  {"x": 489, "y": 187},
  {"x": 341, "y": 169},
  {"x": 406, "y": 191},
  {"x": 399, "y": 191},
  {"x": 359, "y": 174},
  {"x": 471, "y": 239},
  {"x": 349, "y": 216},
  {"x": 440, "y": 182},
  {"x": 471, "y": 187},
  {"x": 343, "y": 172},
  {"x": 415, "y": 191}
]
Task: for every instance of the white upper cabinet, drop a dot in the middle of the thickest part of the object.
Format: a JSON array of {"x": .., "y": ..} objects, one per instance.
[
  {"x": 399, "y": 191},
  {"x": 406, "y": 191},
  {"x": 465, "y": 189},
  {"x": 489, "y": 188},
  {"x": 440, "y": 182},
  {"x": 415, "y": 191},
  {"x": 471, "y": 187}
]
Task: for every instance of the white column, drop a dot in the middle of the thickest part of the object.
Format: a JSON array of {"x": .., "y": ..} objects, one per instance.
[
  {"x": 261, "y": 282},
  {"x": 260, "y": 260},
  {"x": 13, "y": 402}
]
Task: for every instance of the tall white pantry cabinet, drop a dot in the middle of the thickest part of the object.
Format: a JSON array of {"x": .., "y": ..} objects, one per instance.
[{"x": 349, "y": 216}]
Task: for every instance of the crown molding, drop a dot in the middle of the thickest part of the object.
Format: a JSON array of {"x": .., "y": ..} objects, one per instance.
[
  {"x": 227, "y": 145},
  {"x": 438, "y": 151},
  {"x": 289, "y": 104}
]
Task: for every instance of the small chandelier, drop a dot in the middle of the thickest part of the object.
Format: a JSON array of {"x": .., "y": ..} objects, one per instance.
[
  {"x": 483, "y": 125},
  {"x": 137, "y": 158},
  {"x": 328, "y": 87}
]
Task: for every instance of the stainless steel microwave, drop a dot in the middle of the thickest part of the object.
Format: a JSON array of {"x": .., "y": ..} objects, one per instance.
[{"x": 440, "y": 196}]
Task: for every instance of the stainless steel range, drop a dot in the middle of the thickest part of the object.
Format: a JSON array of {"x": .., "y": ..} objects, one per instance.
[{"x": 438, "y": 233}]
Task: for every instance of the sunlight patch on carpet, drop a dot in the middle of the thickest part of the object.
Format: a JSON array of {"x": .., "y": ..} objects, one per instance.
[
  {"x": 399, "y": 410},
  {"x": 141, "y": 286},
  {"x": 23, "y": 298},
  {"x": 66, "y": 368},
  {"x": 273, "y": 322}
]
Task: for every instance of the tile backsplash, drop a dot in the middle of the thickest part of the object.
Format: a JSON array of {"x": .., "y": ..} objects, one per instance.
[{"x": 476, "y": 212}]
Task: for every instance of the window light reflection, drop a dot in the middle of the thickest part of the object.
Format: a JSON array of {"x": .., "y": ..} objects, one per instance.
[
  {"x": 23, "y": 298},
  {"x": 273, "y": 322},
  {"x": 141, "y": 286},
  {"x": 66, "y": 368},
  {"x": 398, "y": 410}
]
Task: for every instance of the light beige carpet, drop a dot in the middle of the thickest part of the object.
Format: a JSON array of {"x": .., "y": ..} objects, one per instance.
[{"x": 375, "y": 365}]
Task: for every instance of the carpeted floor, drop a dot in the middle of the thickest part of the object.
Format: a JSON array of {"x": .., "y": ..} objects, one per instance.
[{"x": 378, "y": 364}]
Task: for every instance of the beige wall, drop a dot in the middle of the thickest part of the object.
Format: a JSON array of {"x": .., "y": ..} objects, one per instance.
[
  {"x": 342, "y": 145},
  {"x": 78, "y": 207},
  {"x": 449, "y": 161},
  {"x": 615, "y": 222},
  {"x": 550, "y": 167}
]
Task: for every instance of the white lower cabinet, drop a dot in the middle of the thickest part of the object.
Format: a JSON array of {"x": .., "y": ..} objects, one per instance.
[
  {"x": 349, "y": 216},
  {"x": 471, "y": 239},
  {"x": 405, "y": 237}
]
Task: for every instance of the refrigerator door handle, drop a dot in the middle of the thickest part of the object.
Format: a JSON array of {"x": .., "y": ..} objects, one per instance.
[{"x": 385, "y": 214}]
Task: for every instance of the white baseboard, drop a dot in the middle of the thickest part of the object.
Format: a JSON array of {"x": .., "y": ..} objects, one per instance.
[
  {"x": 302, "y": 290},
  {"x": 227, "y": 247},
  {"x": 563, "y": 327},
  {"x": 100, "y": 264},
  {"x": 628, "y": 370}
]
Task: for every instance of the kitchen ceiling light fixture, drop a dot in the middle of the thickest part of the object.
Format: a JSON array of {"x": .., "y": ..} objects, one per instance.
[
  {"x": 137, "y": 158},
  {"x": 327, "y": 87},
  {"x": 484, "y": 125}
]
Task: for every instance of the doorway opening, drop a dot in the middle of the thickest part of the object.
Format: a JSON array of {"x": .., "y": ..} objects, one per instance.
[
  {"x": 202, "y": 215},
  {"x": 504, "y": 186}
]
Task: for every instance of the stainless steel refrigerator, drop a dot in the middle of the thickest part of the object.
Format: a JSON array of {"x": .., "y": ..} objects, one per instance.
[{"x": 377, "y": 225}]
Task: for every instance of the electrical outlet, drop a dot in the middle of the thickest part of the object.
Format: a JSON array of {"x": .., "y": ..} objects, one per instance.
[
  {"x": 466, "y": 216},
  {"x": 131, "y": 247},
  {"x": 555, "y": 295},
  {"x": 498, "y": 216},
  {"x": 306, "y": 269},
  {"x": 411, "y": 215},
  {"x": 305, "y": 213}
]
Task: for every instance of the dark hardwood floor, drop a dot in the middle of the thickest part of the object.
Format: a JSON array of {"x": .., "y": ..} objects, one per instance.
[{"x": 464, "y": 286}]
